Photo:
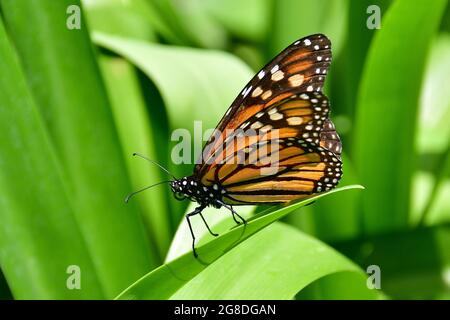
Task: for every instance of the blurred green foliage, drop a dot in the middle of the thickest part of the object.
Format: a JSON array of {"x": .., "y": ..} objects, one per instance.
[{"x": 75, "y": 104}]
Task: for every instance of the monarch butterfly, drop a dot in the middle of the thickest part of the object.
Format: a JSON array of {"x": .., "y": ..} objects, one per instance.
[{"x": 285, "y": 98}]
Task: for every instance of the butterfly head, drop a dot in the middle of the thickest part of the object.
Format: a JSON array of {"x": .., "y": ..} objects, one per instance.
[{"x": 190, "y": 188}]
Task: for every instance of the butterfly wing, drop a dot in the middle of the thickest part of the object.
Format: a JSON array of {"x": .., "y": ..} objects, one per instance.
[
  {"x": 284, "y": 106},
  {"x": 301, "y": 67},
  {"x": 297, "y": 157}
]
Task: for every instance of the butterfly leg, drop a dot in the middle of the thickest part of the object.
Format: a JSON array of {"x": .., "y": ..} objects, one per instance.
[
  {"x": 233, "y": 212},
  {"x": 206, "y": 224},
  {"x": 192, "y": 231},
  {"x": 197, "y": 210}
]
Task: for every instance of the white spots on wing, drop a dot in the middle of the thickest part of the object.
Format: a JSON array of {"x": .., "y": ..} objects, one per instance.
[
  {"x": 267, "y": 127},
  {"x": 307, "y": 42},
  {"x": 316, "y": 47},
  {"x": 266, "y": 94},
  {"x": 319, "y": 58},
  {"x": 274, "y": 69},
  {"x": 246, "y": 91},
  {"x": 257, "y": 92},
  {"x": 256, "y": 125},
  {"x": 261, "y": 74},
  {"x": 314, "y": 100},
  {"x": 277, "y": 76},
  {"x": 228, "y": 111},
  {"x": 304, "y": 96},
  {"x": 317, "y": 70},
  {"x": 310, "y": 88},
  {"x": 305, "y": 135},
  {"x": 296, "y": 80},
  {"x": 184, "y": 182},
  {"x": 296, "y": 42},
  {"x": 259, "y": 115},
  {"x": 272, "y": 111},
  {"x": 276, "y": 116},
  {"x": 245, "y": 125},
  {"x": 215, "y": 187},
  {"x": 309, "y": 127},
  {"x": 294, "y": 121}
]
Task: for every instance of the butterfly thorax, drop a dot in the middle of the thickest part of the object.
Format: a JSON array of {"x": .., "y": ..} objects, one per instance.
[{"x": 192, "y": 189}]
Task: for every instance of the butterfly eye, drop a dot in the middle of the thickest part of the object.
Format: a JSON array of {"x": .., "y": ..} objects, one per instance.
[{"x": 180, "y": 196}]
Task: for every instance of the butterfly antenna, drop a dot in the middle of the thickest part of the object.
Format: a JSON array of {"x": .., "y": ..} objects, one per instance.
[
  {"x": 154, "y": 162},
  {"x": 143, "y": 189}
]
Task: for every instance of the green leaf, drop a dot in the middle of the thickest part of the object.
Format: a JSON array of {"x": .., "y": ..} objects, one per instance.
[
  {"x": 163, "y": 282},
  {"x": 135, "y": 132},
  {"x": 348, "y": 66},
  {"x": 433, "y": 129},
  {"x": 64, "y": 78},
  {"x": 275, "y": 263},
  {"x": 387, "y": 111},
  {"x": 39, "y": 236}
]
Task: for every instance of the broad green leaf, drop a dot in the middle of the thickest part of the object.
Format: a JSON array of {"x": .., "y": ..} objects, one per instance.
[
  {"x": 387, "y": 111},
  {"x": 135, "y": 132},
  {"x": 433, "y": 129},
  {"x": 191, "y": 81},
  {"x": 348, "y": 66},
  {"x": 275, "y": 263},
  {"x": 163, "y": 282},
  {"x": 39, "y": 236},
  {"x": 64, "y": 78}
]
